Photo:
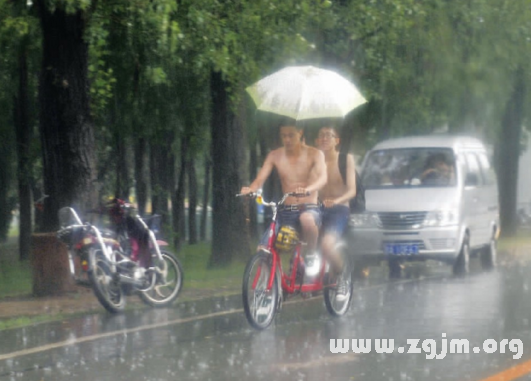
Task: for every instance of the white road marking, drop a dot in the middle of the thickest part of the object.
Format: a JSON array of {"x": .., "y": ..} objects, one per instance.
[{"x": 85, "y": 339}]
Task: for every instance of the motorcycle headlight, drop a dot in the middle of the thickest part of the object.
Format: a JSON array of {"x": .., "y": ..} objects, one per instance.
[
  {"x": 365, "y": 220},
  {"x": 441, "y": 218}
]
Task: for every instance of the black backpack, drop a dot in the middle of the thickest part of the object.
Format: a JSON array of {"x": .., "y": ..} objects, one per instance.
[{"x": 357, "y": 204}]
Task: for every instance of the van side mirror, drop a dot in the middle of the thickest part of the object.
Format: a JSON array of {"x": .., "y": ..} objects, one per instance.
[{"x": 471, "y": 180}]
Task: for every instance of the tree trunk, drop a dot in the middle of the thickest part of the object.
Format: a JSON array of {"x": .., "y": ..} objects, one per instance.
[
  {"x": 228, "y": 217},
  {"x": 272, "y": 188},
  {"x": 347, "y": 133},
  {"x": 206, "y": 197},
  {"x": 178, "y": 197},
  {"x": 122, "y": 170},
  {"x": 24, "y": 136},
  {"x": 365, "y": 119},
  {"x": 154, "y": 176},
  {"x": 192, "y": 201},
  {"x": 508, "y": 153},
  {"x": 140, "y": 175},
  {"x": 253, "y": 164},
  {"x": 6, "y": 204},
  {"x": 49, "y": 262},
  {"x": 160, "y": 186},
  {"x": 65, "y": 119}
]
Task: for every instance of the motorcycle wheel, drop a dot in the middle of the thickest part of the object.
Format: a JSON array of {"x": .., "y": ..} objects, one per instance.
[
  {"x": 168, "y": 284},
  {"x": 107, "y": 289}
]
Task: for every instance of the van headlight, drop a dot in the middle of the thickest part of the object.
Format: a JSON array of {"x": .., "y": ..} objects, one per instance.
[
  {"x": 365, "y": 220},
  {"x": 441, "y": 218}
]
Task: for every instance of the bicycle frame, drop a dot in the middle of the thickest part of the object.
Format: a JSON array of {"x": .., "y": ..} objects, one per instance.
[{"x": 288, "y": 281}]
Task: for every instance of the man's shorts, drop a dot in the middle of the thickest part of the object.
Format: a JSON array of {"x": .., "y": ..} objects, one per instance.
[
  {"x": 290, "y": 215},
  {"x": 335, "y": 220}
]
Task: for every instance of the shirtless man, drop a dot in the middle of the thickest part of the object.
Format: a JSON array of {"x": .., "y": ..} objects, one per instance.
[
  {"x": 302, "y": 170},
  {"x": 335, "y": 196}
]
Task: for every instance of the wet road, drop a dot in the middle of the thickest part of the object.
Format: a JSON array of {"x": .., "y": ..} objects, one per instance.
[{"x": 211, "y": 340}]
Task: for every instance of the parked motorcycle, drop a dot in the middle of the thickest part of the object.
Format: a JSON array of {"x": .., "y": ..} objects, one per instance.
[{"x": 121, "y": 261}]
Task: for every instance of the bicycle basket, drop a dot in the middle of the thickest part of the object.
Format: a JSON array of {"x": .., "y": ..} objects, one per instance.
[{"x": 287, "y": 239}]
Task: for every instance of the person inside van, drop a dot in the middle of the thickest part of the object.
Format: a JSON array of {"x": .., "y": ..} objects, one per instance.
[{"x": 438, "y": 171}]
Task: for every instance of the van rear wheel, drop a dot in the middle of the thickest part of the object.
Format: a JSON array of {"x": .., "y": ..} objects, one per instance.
[
  {"x": 489, "y": 254},
  {"x": 461, "y": 264}
]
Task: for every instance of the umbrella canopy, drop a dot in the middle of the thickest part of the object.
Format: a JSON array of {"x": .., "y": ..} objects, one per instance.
[{"x": 306, "y": 92}]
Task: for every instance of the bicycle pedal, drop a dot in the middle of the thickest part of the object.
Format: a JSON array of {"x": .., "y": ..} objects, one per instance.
[{"x": 306, "y": 295}]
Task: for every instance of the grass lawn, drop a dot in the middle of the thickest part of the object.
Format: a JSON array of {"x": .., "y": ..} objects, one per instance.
[
  {"x": 523, "y": 238},
  {"x": 16, "y": 278},
  {"x": 195, "y": 259}
]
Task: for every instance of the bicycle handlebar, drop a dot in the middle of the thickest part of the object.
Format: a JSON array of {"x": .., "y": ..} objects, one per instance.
[{"x": 272, "y": 203}]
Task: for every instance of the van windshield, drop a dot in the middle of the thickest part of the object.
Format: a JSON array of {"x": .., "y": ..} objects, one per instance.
[{"x": 409, "y": 167}]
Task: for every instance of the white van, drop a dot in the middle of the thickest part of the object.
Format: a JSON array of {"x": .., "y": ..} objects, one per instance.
[{"x": 427, "y": 197}]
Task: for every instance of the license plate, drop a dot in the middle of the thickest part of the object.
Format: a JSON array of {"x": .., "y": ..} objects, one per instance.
[{"x": 401, "y": 249}]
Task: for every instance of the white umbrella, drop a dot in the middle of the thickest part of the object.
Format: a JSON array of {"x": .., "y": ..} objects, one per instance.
[{"x": 306, "y": 92}]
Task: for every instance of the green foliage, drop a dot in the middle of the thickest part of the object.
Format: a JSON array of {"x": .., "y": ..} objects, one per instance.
[
  {"x": 427, "y": 64},
  {"x": 422, "y": 65},
  {"x": 417, "y": 60},
  {"x": 243, "y": 39},
  {"x": 70, "y": 6}
]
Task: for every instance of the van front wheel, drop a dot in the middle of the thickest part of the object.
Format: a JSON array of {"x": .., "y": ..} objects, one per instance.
[
  {"x": 395, "y": 268},
  {"x": 461, "y": 264}
]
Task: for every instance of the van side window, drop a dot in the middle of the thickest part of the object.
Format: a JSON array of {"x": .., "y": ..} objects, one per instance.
[
  {"x": 473, "y": 174},
  {"x": 488, "y": 172}
]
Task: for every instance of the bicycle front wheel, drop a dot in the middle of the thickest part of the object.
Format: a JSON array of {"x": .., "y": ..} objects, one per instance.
[{"x": 259, "y": 303}]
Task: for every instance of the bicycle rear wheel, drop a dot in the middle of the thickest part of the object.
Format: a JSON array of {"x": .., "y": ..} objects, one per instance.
[
  {"x": 259, "y": 303},
  {"x": 334, "y": 306}
]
